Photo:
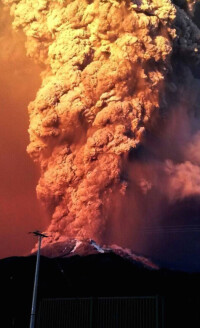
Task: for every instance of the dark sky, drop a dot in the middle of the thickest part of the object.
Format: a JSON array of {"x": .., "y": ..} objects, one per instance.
[{"x": 19, "y": 80}]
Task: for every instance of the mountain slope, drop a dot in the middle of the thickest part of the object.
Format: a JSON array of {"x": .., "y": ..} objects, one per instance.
[{"x": 103, "y": 273}]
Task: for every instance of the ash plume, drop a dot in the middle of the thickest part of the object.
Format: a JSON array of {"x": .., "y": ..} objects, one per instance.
[{"x": 118, "y": 76}]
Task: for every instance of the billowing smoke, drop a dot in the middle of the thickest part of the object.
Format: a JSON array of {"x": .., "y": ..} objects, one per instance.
[{"x": 114, "y": 126}]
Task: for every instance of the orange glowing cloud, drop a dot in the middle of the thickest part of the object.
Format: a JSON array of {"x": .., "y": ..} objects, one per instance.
[{"x": 108, "y": 71}]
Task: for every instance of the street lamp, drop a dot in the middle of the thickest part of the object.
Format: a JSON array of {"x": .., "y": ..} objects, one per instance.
[{"x": 34, "y": 300}]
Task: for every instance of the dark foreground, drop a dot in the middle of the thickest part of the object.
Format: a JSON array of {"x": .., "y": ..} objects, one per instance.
[{"x": 94, "y": 276}]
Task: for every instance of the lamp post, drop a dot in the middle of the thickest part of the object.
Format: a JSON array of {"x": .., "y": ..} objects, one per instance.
[{"x": 34, "y": 299}]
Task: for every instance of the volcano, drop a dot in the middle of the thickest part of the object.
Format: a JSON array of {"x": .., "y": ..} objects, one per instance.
[
  {"x": 73, "y": 247},
  {"x": 114, "y": 130},
  {"x": 82, "y": 269}
]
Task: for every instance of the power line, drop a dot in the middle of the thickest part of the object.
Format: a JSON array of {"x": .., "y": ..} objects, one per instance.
[{"x": 171, "y": 229}]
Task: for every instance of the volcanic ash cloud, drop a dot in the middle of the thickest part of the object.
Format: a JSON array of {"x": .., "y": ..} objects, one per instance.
[{"x": 104, "y": 83}]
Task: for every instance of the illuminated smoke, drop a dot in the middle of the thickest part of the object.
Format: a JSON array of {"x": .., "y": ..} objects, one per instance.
[{"x": 114, "y": 73}]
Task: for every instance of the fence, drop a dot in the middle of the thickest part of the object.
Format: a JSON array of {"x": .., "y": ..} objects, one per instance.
[{"x": 101, "y": 312}]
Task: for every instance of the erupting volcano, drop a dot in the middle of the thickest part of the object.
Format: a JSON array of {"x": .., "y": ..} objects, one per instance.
[{"x": 115, "y": 124}]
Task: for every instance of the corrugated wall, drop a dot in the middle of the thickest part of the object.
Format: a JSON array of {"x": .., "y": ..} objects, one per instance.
[{"x": 131, "y": 312}]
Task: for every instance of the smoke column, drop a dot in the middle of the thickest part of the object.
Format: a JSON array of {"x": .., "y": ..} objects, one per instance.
[{"x": 114, "y": 126}]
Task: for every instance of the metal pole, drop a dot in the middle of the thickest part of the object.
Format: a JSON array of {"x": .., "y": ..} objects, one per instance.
[
  {"x": 34, "y": 300},
  {"x": 91, "y": 312},
  {"x": 157, "y": 311}
]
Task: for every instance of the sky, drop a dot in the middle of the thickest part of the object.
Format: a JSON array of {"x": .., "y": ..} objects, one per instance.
[{"x": 20, "y": 212}]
